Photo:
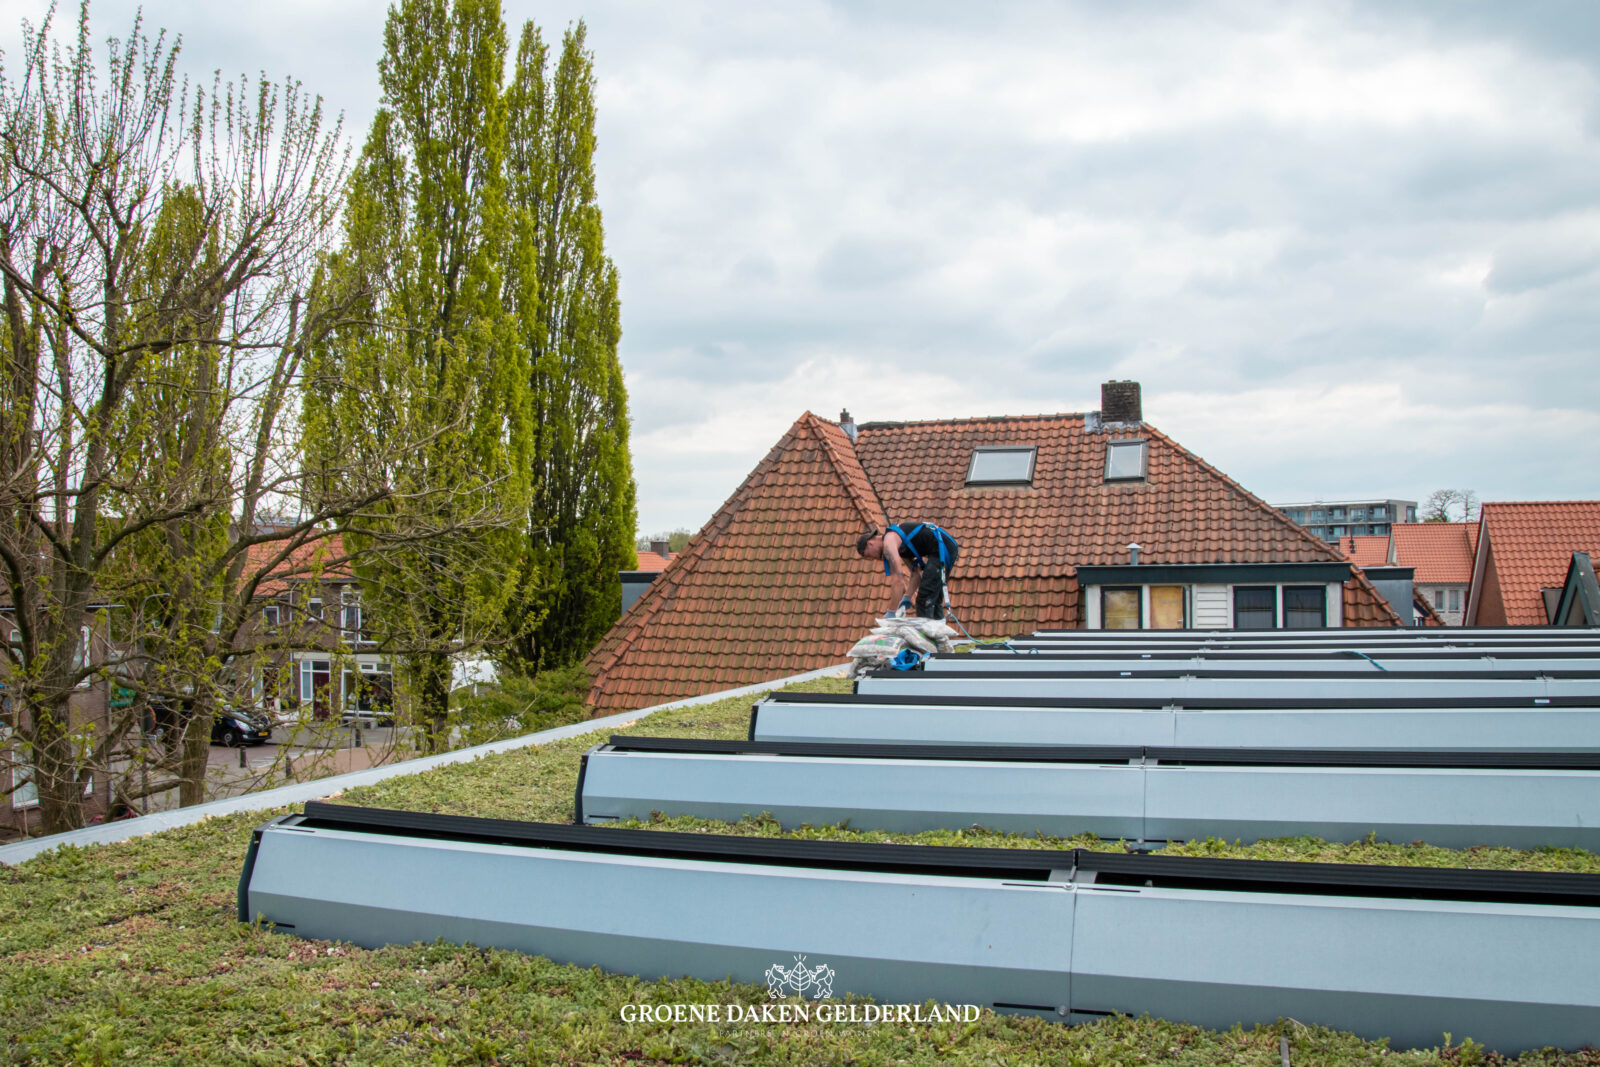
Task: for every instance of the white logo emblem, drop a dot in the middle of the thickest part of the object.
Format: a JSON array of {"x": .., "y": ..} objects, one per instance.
[{"x": 813, "y": 983}]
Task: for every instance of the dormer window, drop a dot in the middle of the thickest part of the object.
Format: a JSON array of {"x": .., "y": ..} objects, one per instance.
[
  {"x": 1001, "y": 466},
  {"x": 1125, "y": 461}
]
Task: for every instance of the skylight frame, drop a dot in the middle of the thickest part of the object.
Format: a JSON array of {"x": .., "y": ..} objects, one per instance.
[
  {"x": 1112, "y": 448},
  {"x": 1031, "y": 451}
]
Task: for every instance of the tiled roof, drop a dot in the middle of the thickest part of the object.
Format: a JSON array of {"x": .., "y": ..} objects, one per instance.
[
  {"x": 1366, "y": 550},
  {"x": 1440, "y": 552},
  {"x": 1532, "y": 543},
  {"x": 651, "y": 561},
  {"x": 770, "y": 586},
  {"x": 1184, "y": 511},
  {"x": 301, "y": 562}
]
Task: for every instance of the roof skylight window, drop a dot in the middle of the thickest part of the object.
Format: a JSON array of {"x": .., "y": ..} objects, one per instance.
[
  {"x": 1125, "y": 461},
  {"x": 1001, "y": 466}
]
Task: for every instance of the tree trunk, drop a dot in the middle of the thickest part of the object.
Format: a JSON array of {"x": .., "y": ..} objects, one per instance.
[
  {"x": 433, "y": 692},
  {"x": 196, "y": 750},
  {"x": 54, "y": 772}
]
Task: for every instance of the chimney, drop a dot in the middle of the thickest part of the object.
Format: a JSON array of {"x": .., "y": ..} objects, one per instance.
[
  {"x": 848, "y": 425},
  {"x": 1119, "y": 402},
  {"x": 1133, "y": 553},
  {"x": 660, "y": 549}
]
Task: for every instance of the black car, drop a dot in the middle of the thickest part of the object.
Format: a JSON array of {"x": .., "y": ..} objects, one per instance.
[{"x": 239, "y": 728}]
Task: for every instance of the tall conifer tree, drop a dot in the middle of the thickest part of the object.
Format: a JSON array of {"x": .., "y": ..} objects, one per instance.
[
  {"x": 581, "y": 517},
  {"x": 439, "y": 362}
]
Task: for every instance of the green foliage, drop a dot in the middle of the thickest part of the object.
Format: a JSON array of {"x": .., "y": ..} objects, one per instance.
[
  {"x": 437, "y": 366},
  {"x": 580, "y": 520},
  {"x": 132, "y": 953},
  {"x": 677, "y": 540},
  {"x": 515, "y": 705}
]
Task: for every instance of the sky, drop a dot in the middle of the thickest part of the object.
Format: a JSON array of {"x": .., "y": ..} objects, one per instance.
[{"x": 1348, "y": 249}]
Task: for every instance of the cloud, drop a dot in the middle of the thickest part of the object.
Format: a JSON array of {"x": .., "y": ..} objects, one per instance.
[{"x": 1348, "y": 246}]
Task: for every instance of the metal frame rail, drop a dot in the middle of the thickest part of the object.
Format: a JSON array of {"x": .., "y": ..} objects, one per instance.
[
  {"x": 1554, "y": 724},
  {"x": 1183, "y": 684},
  {"x": 1145, "y": 794},
  {"x": 1405, "y": 953}
]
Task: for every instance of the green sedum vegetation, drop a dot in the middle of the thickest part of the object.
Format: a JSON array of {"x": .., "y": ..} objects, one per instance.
[{"x": 131, "y": 953}]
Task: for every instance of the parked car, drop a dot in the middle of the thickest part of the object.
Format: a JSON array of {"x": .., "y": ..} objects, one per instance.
[{"x": 240, "y": 728}]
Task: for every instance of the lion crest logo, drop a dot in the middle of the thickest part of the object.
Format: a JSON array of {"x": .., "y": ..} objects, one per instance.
[{"x": 812, "y": 983}]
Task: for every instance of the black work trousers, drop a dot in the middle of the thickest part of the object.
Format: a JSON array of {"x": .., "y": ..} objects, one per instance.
[{"x": 930, "y": 591}]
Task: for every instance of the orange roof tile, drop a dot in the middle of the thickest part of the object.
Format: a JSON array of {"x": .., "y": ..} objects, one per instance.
[
  {"x": 651, "y": 561},
  {"x": 324, "y": 556},
  {"x": 1365, "y": 551},
  {"x": 1532, "y": 543},
  {"x": 771, "y": 585},
  {"x": 1184, "y": 511},
  {"x": 1440, "y": 552}
]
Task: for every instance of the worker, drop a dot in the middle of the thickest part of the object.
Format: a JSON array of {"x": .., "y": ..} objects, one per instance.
[{"x": 913, "y": 547}]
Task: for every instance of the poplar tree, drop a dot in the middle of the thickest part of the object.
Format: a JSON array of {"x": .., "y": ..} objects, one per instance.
[
  {"x": 581, "y": 516},
  {"x": 438, "y": 361}
]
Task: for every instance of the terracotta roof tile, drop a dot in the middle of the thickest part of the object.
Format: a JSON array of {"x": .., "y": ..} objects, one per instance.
[
  {"x": 651, "y": 561},
  {"x": 1532, "y": 543},
  {"x": 1439, "y": 551},
  {"x": 771, "y": 585},
  {"x": 1366, "y": 551}
]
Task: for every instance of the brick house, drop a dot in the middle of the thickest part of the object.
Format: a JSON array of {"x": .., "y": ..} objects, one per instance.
[
  {"x": 1522, "y": 557},
  {"x": 1045, "y": 509}
]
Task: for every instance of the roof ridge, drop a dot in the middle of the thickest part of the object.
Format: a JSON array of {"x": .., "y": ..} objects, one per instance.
[
  {"x": 890, "y": 425},
  {"x": 1323, "y": 546},
  {"x": 872, "y": 509},
  {"x": 1531, "y": 503},
  {"x": 650, "y": 601}
]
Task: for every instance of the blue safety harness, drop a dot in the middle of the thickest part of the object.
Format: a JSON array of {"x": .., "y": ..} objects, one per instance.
[{"x": 944, "y": 540}]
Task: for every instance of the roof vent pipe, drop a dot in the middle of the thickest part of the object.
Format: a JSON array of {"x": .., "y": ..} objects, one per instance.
[
  {"x": 848, "y": 425},
  {"x": 1133, "y": 553}
]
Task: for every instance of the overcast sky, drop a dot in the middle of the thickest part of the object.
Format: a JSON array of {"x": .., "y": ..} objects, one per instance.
[{"x": 1348, "y": 249}]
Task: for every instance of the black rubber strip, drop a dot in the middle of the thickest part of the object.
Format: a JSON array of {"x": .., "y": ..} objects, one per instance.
[
  {"x": 243, "y": 902},
  {"x": 1010, "y": 864},
  {"x": 1067, "y": 703},
  {"x": 1110, "y": 868},
  {"x": 1110, "y": 754}
]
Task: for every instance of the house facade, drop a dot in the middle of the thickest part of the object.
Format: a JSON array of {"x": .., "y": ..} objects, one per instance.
[
  {"x": 1064, "y": 521},
  {"x": 1441, "y": 554},
  {"x": 1522, "y": 556},
  {"x": 316, "y": 649}
]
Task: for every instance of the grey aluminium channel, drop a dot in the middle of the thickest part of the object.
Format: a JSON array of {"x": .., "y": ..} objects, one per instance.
[
  {"x": 1179, "y": 685},
  {"x": 1454, "y": 800},
  {"x": 1481, "y": 724},
  {"x": 1413, "y": 663},
  {"x": 1505, "y": 958}
]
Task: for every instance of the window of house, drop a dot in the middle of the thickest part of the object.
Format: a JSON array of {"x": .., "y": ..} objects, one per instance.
[
  {"x": 1336, "y": 513},
  {"x": 1380, "y": 511},
  {"x": 1125, "y": 461},
  {"x": 1297, "y": 515},
  {"x": 1455, "y": 600},
  {"x": 1001, "y": 466},
  {"x": 1305, "y": 607},
  {"x": 1166, "y": 607},
  {"x": 1337, "y": 531},
  {"x": 1318, "y": 515},
  {"x": 314, "y": 607},
  {"x": 1255, "y": 607},
  {"x": 24, "y": 793},
  {"x": 1359, "y": 514},
  {"x": 351, "y": 621},
  {"x": 269, "y": 615},
  {"x": 1120, "y": 608},
  {"x": 1411, "y": 513},
  {"x": 1438, "y": 600}
]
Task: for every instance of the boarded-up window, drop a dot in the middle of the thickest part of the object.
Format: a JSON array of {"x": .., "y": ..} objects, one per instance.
[
  {"x": 1166, "y": 607},
  {"x": 1119, "y": 609}
]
